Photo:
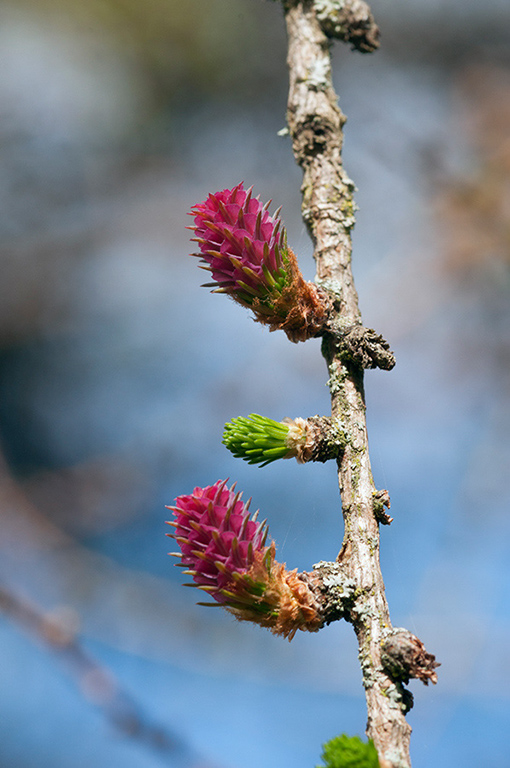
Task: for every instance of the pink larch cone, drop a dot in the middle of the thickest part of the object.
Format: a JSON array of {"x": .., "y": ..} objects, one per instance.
[
  {"x": 224, "y": 550},
  {"x": 246, "y": 251}
]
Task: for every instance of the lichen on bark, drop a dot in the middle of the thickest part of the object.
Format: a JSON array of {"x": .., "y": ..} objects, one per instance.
[{"x": 315, "y": 124}]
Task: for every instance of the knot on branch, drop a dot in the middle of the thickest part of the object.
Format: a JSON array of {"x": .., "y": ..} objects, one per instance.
[
  {"x": 312, "y": 133},
  {"x": 363, "y": 346},
  {"x": 349, "y": 20},
  {"x": 404, "y": 656},
  {"x": 325, "y": 439},
  {"x": 333, "y": 589}
]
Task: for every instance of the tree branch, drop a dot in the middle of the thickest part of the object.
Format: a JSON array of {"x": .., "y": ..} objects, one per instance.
[{"x": 315, "y": 124}]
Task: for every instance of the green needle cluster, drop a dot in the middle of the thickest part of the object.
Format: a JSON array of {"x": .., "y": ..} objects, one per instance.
[
  {"x": 349, "y": 752},
  {"x": 256, "y": 439}
]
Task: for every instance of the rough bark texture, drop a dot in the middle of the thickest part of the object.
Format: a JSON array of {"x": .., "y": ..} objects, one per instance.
[
  {"x": 325, "y": 440},
  {"x": 349, "y": 20},
  {"x": 315, "y": 125}
]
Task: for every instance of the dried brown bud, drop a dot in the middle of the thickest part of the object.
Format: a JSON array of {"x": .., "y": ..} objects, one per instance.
[{"x": 404, "y": 656}]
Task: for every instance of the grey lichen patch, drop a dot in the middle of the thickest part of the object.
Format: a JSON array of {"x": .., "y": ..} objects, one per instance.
[
  {"x": 307, "y": 215},
  {"x": 367, "y": 669},
  {"x": 373, "y": 543},
  {"x": 399, "y": 698},
  {"x": 340, "y": 434},
  {"x": 319, "y": 74},
  {"x": 355, "y": 467},
  {"x": 348, "y": 208},
  {"x": 348, "y": 219},
  {"x": 364, "y": 611},
  {"x": 336, "y": 589},
  {"x": 351, "y": 186},
  {"x": 336, "y": 381},
  {"x": 328, "y": 12},
  {"x": 334, "y": 578},
  {"x": 334, "y": 288},
  {"x": 339, "y": 204},
  {"x": 392, "y": 693}
]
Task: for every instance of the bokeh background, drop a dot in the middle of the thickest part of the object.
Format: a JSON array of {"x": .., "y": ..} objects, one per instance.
[{"x": 117, "y": 373}]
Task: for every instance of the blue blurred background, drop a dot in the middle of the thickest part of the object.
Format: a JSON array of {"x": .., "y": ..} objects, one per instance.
[{"x": 117, "y": 373}]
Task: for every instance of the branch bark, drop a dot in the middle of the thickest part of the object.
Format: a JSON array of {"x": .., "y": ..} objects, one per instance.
[{"x": 315, "y": 124}]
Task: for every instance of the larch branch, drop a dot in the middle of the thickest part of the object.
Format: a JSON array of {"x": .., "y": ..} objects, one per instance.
[{"x": 315, "y": 124}]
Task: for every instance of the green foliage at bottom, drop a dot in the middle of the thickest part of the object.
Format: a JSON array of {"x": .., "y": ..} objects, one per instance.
[{"x": 349, "y": 752}]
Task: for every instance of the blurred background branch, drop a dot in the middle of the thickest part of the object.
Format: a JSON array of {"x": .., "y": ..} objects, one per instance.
[{"x": 96, "y": 684}]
